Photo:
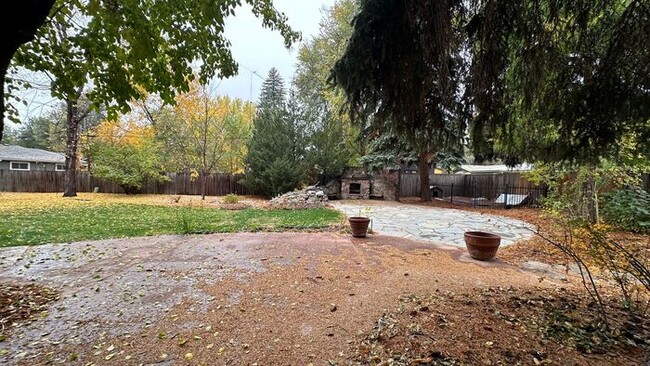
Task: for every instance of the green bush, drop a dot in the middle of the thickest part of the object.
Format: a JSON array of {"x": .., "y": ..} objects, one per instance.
[
  {"x": 231, "y": 198},
  {"x": 127, "y": 164},
  {"x": 628, "y": 209}
]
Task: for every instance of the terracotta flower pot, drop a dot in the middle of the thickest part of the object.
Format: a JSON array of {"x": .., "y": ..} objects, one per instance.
[
  {"x": 359, "y": 226},
  {"x": 481, "y": 245}
]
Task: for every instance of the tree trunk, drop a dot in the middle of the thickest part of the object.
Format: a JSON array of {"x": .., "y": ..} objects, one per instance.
[
  {"x": 398, "y": 190},
  {"x": 3, "y": 71},
  {"x": 72, "y": 140},
  {"x": 592, "y": 204},
  {"x": 203, "y": 183},
  {"x": 425, "y": 192},
  {"x": 18, "y": 26}
]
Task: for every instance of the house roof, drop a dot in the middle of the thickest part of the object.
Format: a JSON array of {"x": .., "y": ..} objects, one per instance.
[
  {"x": 19, "y": 153},
  {"x": 495, "y": 168}
]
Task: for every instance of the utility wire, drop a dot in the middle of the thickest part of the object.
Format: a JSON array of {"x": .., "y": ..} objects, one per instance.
[{"x": 252, "y": 72}]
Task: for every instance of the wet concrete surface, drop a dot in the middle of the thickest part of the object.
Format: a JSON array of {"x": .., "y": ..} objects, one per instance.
[
  {"x": 129, "y": 289},
  {"x": 127, "y": 283}
]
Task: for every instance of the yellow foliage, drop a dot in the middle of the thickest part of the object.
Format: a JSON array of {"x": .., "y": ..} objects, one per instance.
[
  {"x": 17, "y": 202},
  {"x": 209, "y": 132},
  {"x": 13, "y": 203},
  {"x": 123, "y": 132},
  {"x": 194, "y": 175},
  {"x": 201, "y": 132}
]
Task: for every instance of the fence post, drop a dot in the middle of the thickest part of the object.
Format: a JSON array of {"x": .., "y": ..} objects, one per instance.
[
  {"x": 451, "y": 194},
  {"x": 505, "y": 198},
  {"x": 474, "y": 194}
]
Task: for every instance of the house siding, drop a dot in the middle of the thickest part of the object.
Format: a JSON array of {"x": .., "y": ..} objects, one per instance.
[{"x": 42, "y": 167}]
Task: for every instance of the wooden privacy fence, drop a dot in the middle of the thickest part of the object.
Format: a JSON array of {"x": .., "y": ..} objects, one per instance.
[
  {"x": 178, "y": 183},
  {"x": 488, "y": 186}
]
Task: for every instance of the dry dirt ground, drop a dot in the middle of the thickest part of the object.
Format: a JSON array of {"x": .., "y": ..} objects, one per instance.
[{"x": 290, "y": 299}]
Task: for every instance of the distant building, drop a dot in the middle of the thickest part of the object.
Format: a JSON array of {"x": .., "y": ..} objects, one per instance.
[
  {"x": 414, "y": 168},
  {"x": 493, "y": 169},
  {"x": 20, "y": 158}
]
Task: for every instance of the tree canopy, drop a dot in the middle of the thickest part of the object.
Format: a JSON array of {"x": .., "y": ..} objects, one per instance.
[
  {"x": 127, "y": 47},
  {"x": 126, "y": 154},
  {"x": 333, "y": 142},
  {"x": 559, "y": 80},
  {"x": 205, "y": 134},
  {"x": 48, "y": 131},
  {"x": 540, "y": 80},
  {"x": 273, "y": 94}
]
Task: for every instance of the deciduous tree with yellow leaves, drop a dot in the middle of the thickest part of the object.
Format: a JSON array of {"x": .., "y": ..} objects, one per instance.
[{"x": 205, "y": 134}]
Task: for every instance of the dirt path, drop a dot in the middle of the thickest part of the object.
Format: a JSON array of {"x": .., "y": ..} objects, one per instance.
[{"x": 231, "y": 299}]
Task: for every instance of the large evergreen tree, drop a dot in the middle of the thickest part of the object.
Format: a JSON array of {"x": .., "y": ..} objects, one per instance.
[
  {"x": 401, "y": 73},
  {"x": 273, "y": 95},
  {"x": 329, "y": 150},
  {"x": 544, "y": 80},
  {"x": 559, "y": 80},
  {"x": 275, "y": 150}
]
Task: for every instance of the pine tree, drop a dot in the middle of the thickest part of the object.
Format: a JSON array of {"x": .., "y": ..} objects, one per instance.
[
  {"x": 401, "y": 71},
  {"x": 275, "y": 151},
  {"x": 273, "y": 93}
]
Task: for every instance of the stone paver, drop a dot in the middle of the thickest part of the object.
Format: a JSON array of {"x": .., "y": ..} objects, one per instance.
[{"x": 441, "y": 225}]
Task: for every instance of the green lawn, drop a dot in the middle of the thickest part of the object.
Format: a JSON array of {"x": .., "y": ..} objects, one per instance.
[{"x": 67, "y": 223}]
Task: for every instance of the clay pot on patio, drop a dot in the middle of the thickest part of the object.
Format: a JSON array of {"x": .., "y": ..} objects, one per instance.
[
  {"x": 359, "y": 226},
  {"x": 481, "y": 245}
]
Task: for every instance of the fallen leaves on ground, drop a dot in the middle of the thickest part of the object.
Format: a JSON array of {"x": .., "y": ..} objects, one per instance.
[
  {"x": 40, "y": 218},
  {"x": 22, "y": 304},
  {"x": 20, "y": 201},
  {"x": 510, "y": 326}
]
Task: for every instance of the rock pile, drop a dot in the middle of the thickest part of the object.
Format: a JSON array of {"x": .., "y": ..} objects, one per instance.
[{"x": 306, "y": 198}]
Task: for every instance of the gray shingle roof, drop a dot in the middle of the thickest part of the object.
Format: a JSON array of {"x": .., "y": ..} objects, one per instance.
[
  {"x": 495, "y": 168},
  {"x": 19, "y": 153}
]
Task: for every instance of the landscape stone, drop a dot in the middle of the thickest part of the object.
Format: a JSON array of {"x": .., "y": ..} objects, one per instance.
[
  {"x": 547, "y": 270},
  {"x": 309, "y": 197}
]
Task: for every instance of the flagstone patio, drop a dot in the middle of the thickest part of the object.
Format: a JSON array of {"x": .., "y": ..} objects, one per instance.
[{"x": 440, "y": 225}]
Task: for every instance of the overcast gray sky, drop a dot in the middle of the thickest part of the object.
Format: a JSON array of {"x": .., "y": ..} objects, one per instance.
[
  {"x": 259, "y": 49},
  {"x": 254, "y": 48}
]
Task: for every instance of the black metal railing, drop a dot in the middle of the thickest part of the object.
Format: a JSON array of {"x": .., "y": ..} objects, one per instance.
[{"x": 489, "y": 196}]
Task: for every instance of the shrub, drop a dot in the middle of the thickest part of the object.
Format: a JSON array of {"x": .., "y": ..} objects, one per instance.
[
  {"x": 231, "y": 198},
  {"x": 128, "y": 164},
  {"x": 185, "y": 223},
  {"x": 628, "y": 209},
  {"x": 580, "y": 199}
]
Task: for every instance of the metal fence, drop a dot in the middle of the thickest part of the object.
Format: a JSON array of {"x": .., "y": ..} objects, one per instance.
[
  {"x": 177, "y": 183},
  {"x": 481, "y": 190},
  {"x": 498, "y": 197}
]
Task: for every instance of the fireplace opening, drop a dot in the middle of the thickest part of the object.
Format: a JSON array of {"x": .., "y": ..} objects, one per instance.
[{"x": 355, "y": 188}]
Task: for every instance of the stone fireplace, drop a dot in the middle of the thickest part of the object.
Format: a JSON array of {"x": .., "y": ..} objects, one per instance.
[
  {"x": 354, "y": 188},
  {"x": 355, "y": 184}
]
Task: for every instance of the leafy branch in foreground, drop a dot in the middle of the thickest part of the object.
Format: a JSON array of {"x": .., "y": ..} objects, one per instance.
[{"x": 599, "y": 252}]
